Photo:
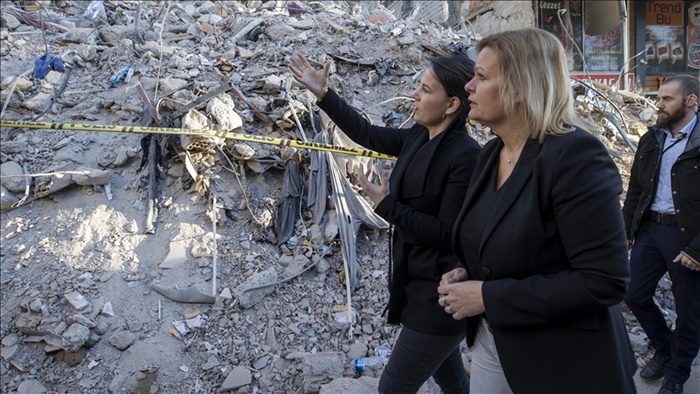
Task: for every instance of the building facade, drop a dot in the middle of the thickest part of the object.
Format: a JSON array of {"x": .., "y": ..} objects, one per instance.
[
  {"x": 669, "y": 34},
  {"x": 644, "y": 40}
]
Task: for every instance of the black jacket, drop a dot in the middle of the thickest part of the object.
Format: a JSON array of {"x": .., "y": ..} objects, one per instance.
[
  {"x": 422, "y": 207},
  {"x": 685, "y": 183},
  {"x": 553, "y": 258}
]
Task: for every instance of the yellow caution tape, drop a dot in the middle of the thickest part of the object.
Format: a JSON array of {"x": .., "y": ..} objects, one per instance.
[{"x": 202, "y": 133}]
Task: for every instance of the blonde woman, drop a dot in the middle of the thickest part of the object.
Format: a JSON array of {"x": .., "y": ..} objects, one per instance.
[{"x": 540, "y": 234}]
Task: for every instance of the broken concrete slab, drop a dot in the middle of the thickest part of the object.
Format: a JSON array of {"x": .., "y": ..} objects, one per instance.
[
  {"x": 6, "y": 352},
  {"x": 364, "y": 384},
  {"x": 31, "y": 386},
  {"x": 11, "y": 179},
  {"x": 91, "y": 176},
  {"x": 238, "y": 377},
  {"x": 77, "y": 300},
  {"x": 10, "y": 339},
  {"x": 177, "y": 254},
  {"x": 75, "y": 337},
  {"x": 248, "y": 298},
  {"x": 221, "y": 108},
  {"x": 122, "y": 339},
  {"x": 226, "y": 294},
  {"x": 322, "y": 368}
]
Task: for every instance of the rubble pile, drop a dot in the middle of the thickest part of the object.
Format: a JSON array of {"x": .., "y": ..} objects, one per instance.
[{"x": 184, "y": 263}]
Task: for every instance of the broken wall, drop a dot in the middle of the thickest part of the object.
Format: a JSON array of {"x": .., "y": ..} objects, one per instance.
[
  {"x": 491, "y": 16},
  {"x": 486, "y": 16},
  {"x": 420, "y": 11}
]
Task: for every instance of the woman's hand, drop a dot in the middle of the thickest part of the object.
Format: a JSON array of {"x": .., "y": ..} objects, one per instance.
[
  {"x": 314, "y": 80},
  {"x": 376, "y": 193},
  {"x": 461, "y": 299},
  {"x": 454, "y": 276}
]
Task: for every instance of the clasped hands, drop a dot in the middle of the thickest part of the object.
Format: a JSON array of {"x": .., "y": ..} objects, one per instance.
[{"x": 459, "y": 296}]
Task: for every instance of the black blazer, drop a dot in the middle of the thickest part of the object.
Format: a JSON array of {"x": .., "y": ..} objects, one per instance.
[
  {"x": 422, "y": 206},
  {"x": 553, "y": 258}
]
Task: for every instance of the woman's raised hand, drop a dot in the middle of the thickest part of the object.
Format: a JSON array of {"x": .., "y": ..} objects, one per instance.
[
  {"x": 314, "y": 80},
  {"x": 375, "y": 192}
]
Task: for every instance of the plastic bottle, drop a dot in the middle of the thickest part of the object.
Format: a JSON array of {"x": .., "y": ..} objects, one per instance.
[
  {"x": 383, "y": 351},
  {"x": 363, "y": 364}
]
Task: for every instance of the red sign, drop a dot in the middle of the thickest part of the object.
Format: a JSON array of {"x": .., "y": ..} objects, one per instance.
[{"x": 606, "y": 79}]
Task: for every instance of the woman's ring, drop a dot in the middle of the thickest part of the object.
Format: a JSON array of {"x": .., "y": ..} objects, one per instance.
[
  {"x": 442, "y": 300},
  {"x": 448, "y": 309}
]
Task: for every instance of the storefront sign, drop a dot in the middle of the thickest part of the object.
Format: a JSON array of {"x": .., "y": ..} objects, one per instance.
[{"x": 665, "y": 12}]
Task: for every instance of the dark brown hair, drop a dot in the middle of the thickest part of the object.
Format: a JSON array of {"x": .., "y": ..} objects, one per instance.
[{"x": 453, "y": 72}]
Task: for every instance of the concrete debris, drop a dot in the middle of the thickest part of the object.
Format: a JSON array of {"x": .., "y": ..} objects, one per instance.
[
  {"x": 248, "y": 298},
  {"x": 10, "y": 339},
  {"x": 212, "y": 362},
  {"x": 75, "y": 337},
  {"x": 91, "y": 177},
  {"x": 32, "y": 386},
  {"x": 77, "y": 300},
  {"x": 322, "y": 368},
  {"x": 226, "y": 294},
  {"x": 364, "y": 384},
  {"x": 238, "y": 377},
  {"x": 176, "y": 255},
  {"x": 85, "y": 321},
  {"x": 12, "y": 179},
  {"x": 107, "y": 309},
  {"x": 122, "y": 339},
  {"x": 6, "y": 352}
]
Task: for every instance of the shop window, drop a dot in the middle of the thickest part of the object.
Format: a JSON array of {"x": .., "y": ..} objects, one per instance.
[{"x": 603, "y": 54}]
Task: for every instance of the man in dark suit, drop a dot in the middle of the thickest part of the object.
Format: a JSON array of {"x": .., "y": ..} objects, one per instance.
[{"x": 662, "y": 216}]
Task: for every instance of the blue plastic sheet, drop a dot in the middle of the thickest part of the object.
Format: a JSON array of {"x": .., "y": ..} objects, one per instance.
[
  {"x": 125, "y": 73},
  {"x": 46, "y": 63}
]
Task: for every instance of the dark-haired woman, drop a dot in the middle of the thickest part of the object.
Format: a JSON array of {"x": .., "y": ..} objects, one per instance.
[{"x": 421, "y": 200}]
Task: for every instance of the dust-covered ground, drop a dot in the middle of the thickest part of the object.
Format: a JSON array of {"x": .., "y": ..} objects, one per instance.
[{"x": 79, "y": 313}]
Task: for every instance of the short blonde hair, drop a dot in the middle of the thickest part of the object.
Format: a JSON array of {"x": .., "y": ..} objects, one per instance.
[{"x": 532, "y": 64}]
